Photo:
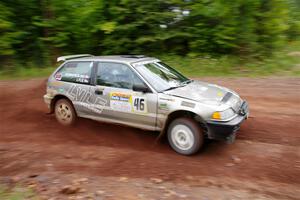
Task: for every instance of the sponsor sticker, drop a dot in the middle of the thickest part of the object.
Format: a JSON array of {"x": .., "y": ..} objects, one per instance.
[
  {"x": 187, "y": 104},
  {"x": 58, "y": 77},
  {"x": 120, "y": 102},
  {"x": 163, "y": 106},
  {"x": 82, "y": 80},
  {"x": 127, "y": 103},
  {"x": 73, "y": 75},
  {"x": 56, "y": 83}
]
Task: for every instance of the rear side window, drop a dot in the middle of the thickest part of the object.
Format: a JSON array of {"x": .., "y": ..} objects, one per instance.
[{"x": 77, "y": 72}]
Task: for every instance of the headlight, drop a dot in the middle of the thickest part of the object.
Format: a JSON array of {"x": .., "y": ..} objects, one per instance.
[{"x": 223, "y": 115}]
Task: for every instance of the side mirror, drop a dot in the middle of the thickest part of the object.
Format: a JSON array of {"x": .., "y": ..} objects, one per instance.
[{"x": 140, "y": 88}]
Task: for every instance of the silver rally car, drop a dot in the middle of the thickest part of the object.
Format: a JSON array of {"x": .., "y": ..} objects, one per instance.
[{"x": 145, "y": 93}]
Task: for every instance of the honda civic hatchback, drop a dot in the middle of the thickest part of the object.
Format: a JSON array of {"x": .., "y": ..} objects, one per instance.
[{"x": 145, "y": 93}]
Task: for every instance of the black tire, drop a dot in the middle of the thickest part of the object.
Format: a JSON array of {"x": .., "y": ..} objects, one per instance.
[
  {"x": 65, "y": 113},
  {"x": 189, "y": 129}
]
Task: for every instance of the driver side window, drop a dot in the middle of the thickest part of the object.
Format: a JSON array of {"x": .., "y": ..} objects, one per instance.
[{"x": 116, "y": 75}]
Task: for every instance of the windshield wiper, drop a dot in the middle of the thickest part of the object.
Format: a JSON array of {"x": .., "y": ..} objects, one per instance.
[
  {"x": 187, "y": 82},
  {"x": 174, "y": 87},
  {"x": 171, "y": 88},
  {"x": 184, "y": 83}
]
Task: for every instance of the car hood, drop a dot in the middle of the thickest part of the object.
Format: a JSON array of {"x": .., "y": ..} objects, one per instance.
[{"x": 201, "y": 92}]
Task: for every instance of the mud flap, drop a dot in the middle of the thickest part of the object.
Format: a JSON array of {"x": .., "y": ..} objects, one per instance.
[
  {"x": 161, "y": 134},
  {"x": 231, "y": 138}
]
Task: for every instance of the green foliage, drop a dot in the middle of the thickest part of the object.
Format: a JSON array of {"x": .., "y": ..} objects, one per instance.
[
  {"x": 8, "y": 33},
  {"x": 16, "y": 193},
  {"x": 284, "y": 62},
  {"x": 35, "y": 32}
]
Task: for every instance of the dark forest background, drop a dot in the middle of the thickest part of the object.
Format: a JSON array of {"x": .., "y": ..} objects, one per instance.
[{"x": 35, "y": 32}]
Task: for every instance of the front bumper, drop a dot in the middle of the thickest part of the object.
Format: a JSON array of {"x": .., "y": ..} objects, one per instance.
[{"x": 227, "y": 130}]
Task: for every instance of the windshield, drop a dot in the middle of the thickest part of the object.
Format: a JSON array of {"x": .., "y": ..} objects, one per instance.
[{"x": 161, "y": 76}]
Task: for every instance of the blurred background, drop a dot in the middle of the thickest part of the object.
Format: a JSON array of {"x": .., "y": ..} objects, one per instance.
[
  {"x": 204, "y": 37},
  {"x": 210, "y": 40}
]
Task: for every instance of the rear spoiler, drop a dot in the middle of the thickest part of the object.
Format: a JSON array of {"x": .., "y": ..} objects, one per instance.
[{"x": 64, "y": 58}]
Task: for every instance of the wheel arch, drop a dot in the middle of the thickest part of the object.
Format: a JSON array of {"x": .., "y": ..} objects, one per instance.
[
  {"x": 55, "y": 99},
  {"x": 182, "y": 113}
]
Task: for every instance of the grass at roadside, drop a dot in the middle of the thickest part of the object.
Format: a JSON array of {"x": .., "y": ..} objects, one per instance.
[
  {"x": 282, "y": 63},
  {"x": 24, "y": 73},
  {"x": 16, "y": 193}
]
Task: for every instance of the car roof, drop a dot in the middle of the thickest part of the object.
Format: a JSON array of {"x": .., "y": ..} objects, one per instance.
[{"x": 128, "y": 59}]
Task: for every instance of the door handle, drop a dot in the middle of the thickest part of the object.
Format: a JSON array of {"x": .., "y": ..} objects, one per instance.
[{"x": 99, "y": 92}]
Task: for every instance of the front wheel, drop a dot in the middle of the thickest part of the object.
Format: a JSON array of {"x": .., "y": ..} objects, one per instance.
[
  {"x": 185, "y": 136},
  {"x": 65, "y": 113}
]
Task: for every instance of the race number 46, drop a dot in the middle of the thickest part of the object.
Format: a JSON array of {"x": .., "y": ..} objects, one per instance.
[{"x": 139, "y": 104}]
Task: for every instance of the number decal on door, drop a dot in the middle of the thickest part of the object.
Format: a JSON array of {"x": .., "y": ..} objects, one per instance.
[{"x": 139, "y": 104}]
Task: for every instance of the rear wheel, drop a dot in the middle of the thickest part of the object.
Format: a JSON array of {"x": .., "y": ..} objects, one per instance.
[
  {"x": 185, "y": 136},
  {"x": 65, "y": 113}
]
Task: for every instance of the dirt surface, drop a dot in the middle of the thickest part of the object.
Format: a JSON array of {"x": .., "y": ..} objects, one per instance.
[{"x": 103, "y": 161}]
